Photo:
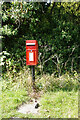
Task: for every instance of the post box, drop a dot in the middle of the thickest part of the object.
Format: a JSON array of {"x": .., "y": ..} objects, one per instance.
[{"x": 31, "y": 52}]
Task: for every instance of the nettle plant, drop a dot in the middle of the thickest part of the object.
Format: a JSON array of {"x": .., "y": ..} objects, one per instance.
[
  {"x": 6, "y": 62},
  {"x": 4, "y": 55}
]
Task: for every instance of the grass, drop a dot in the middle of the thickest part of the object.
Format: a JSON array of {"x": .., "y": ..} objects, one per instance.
[
  {"x": 61, "y": 104},
  {"x": 10, "y": 101},
  {"x": 59, "y": 99}
]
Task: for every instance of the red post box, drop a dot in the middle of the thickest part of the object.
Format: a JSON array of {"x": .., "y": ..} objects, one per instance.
[{"x": 31, "y": 52}]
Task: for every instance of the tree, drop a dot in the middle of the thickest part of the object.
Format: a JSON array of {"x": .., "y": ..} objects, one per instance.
[{"x": 55, "y": 26}]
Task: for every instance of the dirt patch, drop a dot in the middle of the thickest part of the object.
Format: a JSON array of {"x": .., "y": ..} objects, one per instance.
[
  {"x": 34, "y": 104},
  {"x": 30, "y": 107}
]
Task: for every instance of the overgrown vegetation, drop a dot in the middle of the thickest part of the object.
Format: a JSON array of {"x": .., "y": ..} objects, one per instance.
[
  {"x": 58, "y": 95},
  {"x": 56, "y": 28},
  {"x": 23, "y": 79}
]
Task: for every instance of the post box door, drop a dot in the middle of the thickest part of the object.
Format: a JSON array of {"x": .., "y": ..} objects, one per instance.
[{"x": 31, "y": 57}]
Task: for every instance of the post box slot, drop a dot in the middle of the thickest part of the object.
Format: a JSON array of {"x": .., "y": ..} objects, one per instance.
[{"x": 30, "y": 44}]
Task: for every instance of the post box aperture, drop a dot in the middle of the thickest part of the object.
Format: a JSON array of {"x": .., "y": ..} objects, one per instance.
[{"x": 31, "y": 52}]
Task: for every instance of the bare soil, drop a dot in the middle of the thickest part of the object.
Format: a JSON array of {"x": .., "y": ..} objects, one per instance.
[{"x": 29, "y": 108}]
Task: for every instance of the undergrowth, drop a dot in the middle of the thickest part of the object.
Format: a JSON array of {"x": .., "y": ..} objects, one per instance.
[{"x": 44, "y": 82}]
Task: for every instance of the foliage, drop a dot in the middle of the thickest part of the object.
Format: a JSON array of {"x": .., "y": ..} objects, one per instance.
[
  {"x": 20, "y": 80},
  {"x": 46, "y": 82},
  {"x": 55, "y": 26},
  {"x": 65, "y": 82}
]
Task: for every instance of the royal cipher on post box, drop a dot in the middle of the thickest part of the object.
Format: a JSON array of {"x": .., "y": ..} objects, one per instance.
[{"x": 31, "y": 52}]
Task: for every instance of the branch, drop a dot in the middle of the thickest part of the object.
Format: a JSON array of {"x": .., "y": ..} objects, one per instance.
[
  {"x": 49, "y": 59},
  {"x": 18, "y": 22},
  {"x": 69, "y": 56},
  {"x": 52, "y": 8}
]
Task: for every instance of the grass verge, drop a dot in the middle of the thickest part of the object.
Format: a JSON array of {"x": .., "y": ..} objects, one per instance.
[
  {"x": 10, "y": 101},
  {"x": 59, "y": 99},
  {"x": 61, "y": 104}
]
